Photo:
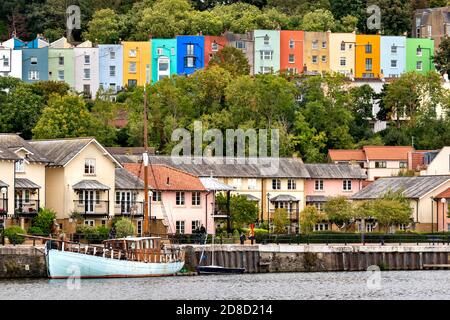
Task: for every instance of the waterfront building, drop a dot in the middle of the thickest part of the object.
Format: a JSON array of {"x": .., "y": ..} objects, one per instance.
[
  {"x": 110, "y": 67},
  {"x": 24, "y": 180},
  {"x": 80, "y": 178},
  {"x": 367, "y": 62},
  {"x": 419, "y": 55},
  {"x": 267, "y": 51},
  {"x": 164, "y": 58},
  {"x": 10, "y": 62},
  {"x": 291, "y": 51},
  {"x": 34, "y": 64},
  {"x": 86, "y": 69},
  {"x": 61, "y": 62},
  {"x": 190, "y": 54},
  {"x": 136, "y": 63},
  {"x": 377, "y": 161},
  {"x": 423, "y": 192},
  {"x": 393, "y": 56},
  {"x": 245, "y": 43},
  {"x": 213, "y": 44},
  {"x": 342, "y": 53},
  {"x": 316, "y": 53},
  {"x": 431, "y": 23},
  {"x": 7, "y": 163}
]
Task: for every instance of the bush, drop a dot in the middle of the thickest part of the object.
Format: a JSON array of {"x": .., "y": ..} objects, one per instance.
[
  {"x": 11, "y": 234},
  {"x": 44, "y": 221},
  {"x": 36, "y": 231},
  {"x": 124, "y": 228}
]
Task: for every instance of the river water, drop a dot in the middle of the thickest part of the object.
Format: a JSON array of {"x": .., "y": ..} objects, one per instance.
[{"x": 333, "y": 285}]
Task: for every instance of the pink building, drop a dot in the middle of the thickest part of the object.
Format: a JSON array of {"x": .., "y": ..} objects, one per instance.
[
  {"x": 332, "y": 180},
  {"x": 443, "y": 210},
  {"x": 178, "y": 198}
]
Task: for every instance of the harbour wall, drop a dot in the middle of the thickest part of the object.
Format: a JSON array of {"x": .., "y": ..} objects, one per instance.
[{"x": 22, "y": 262}]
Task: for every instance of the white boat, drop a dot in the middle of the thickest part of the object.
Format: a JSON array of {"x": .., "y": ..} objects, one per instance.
[{"x": 117, "y": 258}]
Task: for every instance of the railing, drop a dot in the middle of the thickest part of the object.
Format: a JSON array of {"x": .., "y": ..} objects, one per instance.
[
  {"x": 129, "y": 208},
  {"x": 91, "y": 207},
  {"x": 30, "y": 207}
]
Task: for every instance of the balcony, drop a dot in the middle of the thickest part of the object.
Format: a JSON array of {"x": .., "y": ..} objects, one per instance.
[
  {"x": 26, "y": 208},
  {"x": 129, "y": 208},
  {"x": 91, "y": 208}
]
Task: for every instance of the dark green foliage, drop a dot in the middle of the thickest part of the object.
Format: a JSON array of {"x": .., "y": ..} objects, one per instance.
[
  {"x": 44, "y": 221},
  {"x": 11, "y": 234}
]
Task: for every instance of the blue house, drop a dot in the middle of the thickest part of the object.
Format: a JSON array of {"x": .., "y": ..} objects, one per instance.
[
  {"x": 190, "y": 54},
  {"x": 393, "y": 56},
  {"x": 110, "y": 67},
  {"x": 34, "y": 64}
]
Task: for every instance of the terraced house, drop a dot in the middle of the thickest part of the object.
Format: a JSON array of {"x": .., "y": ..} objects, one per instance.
[
  {"x": 61, "y": 62},
  {"x": 86, "y": 69}
]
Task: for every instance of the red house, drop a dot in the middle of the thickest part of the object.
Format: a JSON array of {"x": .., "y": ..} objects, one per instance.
[{"x": 212, "y": 45}]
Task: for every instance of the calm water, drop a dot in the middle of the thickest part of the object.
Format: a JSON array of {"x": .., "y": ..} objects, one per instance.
[{"x": 342, "y": 285}]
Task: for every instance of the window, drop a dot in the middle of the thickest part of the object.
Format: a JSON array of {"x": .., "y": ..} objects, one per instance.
[
  {"x": 190, "y": 49},
  {"x": 321, "y": 227},
  {"x": 20, "y": 165},
  {"x": 139, "y": 227},
  {"x": 292, "y": 184},
  {"x": 318, "y": 185},
  {"x": 370, "y": 227},
  {"x": 368, "y": 64},
  {"x": 132, "y": 53},
  {"x": 89, "y": 223},
  {"x": 97, "y": 197},
  {"x": 343, "y": 61},
  {"x": 314, "y": 59},
  {"x": 159, "y": 51},
  {"x": 33, "y": 60},
  {"x": 195, "y": 198},
  {"x": 291, "y": 58},
  {"x": 276, "y": 184},
  {"x": 172, "y": 51},
  {"x": 429, "y": 31},
  {"x": 342, "y": 46},
  {"x": 5, "y": 61},
  {"x": 394, "y": 49},
  {"x": 347, "y": 185},
  {"x": 156, "y": 196},
  {"x": 61, "y": 75},
  {"x": 251, "y": 184},
  {"x": 195, "y": 225},
  {"x": 132, "y": 67},
  {"x": 179, "y": 198},
  {"x": 402, "y": 227},
  {"x": 33, "y": 75},
  {"x": 318, "y": 206},
  {"x": 189, "y": 62},
  {"x": 403, "y": 164},
  {"x": 61, "y": 61},
  {"x": 266, "y": 54},
  {"x": 179, "y": 225},
  {"x": 315, "y": 45},
  {"x": 419, "y": 66},
  {"x": 266, "y": 40},
  {"x": 292, "y": 70},
  {"x": 214, "y": 47},
  {"x": 393, "y": 63},
  {"x": 89, "y": 166},
  {"x": 265, "y": 70},
  {"x": 380, "y": 164},
  {"x": 112, "y": 71},
  {"x": 87, "y": 89},
  {"x": 240, "y": 45},
  {"x": 112, "y": 55},
  {"x": 324, "y": 58},
  {"x": 368, "y": 48},
  {"x": 87, "y": 59},
  {"x": 368, "y": 75},
  {"x": 291, "y": 44},
  {"x": 237, "y": 182},
  {"x": 87, "y": 74},
  {"x": 324, "y": 44},
  {"x": 132, "y": 82},
  {"x": 419, "y": 52}
]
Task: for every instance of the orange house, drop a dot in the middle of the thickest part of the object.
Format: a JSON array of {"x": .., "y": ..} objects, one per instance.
[
  {"x": 367, "y": 57},
  {"x": 213, "y": 44},
  {"x": 291, "y": 51}
]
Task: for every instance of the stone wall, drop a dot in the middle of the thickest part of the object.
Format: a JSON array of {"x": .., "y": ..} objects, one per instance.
[{"x": 22, "y": 262}]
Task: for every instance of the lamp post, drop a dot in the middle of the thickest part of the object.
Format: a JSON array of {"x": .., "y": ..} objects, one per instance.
[{"x": 443, "y": 201}]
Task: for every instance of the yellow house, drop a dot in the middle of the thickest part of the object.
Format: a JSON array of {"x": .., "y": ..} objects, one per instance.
[
  {"x": 80, "y": 180},
  {"x": 316, "y": 55},
  {"x": 136, "y": 63},
  {"x": 25, "y": 184}
]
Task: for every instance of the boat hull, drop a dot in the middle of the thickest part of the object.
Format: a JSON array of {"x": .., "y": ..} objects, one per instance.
[
  {"x": 219, "y": 270},
  {"x": 64, "y": 264}
]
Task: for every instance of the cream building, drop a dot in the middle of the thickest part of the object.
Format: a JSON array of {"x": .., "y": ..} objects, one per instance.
[
  {"x": 436, "y": 163},
  {"x": 342, "y": 53}
]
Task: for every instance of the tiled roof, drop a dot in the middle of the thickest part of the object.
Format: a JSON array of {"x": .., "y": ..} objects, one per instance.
[
  {"x": 125, "y": 180},
  {"x": 335, "y": 171},
  {"x": 346, "y": 155},
  {"x": 444, "y": 195},
  {"x": 387, "y": 152},
  {"x": 411, "y": 187},
  {"x": 14, "y": 142},
  {"x": 165, "y": 178}
]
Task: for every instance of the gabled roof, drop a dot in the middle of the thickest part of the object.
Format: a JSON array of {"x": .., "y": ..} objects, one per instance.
[
  {"x": 335, "y": 171},
  {"x": 61, "y": 151},
  {"x": 387, "y": 152},
  {"x": 14, "y": 142},
  {"x": 346, "y": 155},
  {"x": 165, "y": 178},
  {"x": 444, "y": 195},
  {"x": 90, "y": 185},
  {"x": 125, "y": 180},
  {"x": 212, "y": 184},
  {"x": 6, "y": 154},
  {"x": 411, "y": 187}
]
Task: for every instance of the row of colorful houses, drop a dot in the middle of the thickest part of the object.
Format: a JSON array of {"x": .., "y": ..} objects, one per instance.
[{"x": 87, "y": 67}]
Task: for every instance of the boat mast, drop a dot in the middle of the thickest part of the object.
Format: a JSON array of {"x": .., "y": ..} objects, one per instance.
[{"x": 145, "y": 161}]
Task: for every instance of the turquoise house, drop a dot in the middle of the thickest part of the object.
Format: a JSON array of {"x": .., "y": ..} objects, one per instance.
[
  {"x": 164, "y": 58},
  {"x": 267, "y": 51},
  {"x": 393, "y": 56}
]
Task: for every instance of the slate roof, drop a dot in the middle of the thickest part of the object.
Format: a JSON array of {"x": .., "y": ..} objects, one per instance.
[
  {"x": 212, "y": 184},
  {"x": 412, "y": 187},
  {"x": 90, "y": 185},
  {"x": 316, "y": 199},
  {"x": 13, "y": 142},
  {"x": 335, "y": 171},
  {"x": 236, "y": 168},
  {"x": 127, "y": 181},
  {"x": 24, "y": 183},
  {"x": 6, "y": 154},
  {"x": 284, "y": 198}
]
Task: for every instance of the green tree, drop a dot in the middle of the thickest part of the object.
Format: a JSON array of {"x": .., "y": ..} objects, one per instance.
[
  {"x": 318, "y": 20},
  {"x": 309, "y": 217},
  {"x": 205, "y": 22},
  {"x": 280, "y": 221},
  {"x": 442, "y": 57},
  {"x": 340, "y": 211},
  {"x": 242, "y": 210},
  {"x": 104, "y": 27},
  {"x": 238, "y": 17},
  {"x": 44, "y": 221},
  {"x": 124, "y": 228},
  {"x": 231, "y": 59}
]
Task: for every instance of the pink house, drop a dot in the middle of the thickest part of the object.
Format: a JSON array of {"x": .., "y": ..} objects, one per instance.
[
  {"x": 332, "y": 180},
  {"x": 443, "y": 210},
  {"x": 178, "y": 198}
]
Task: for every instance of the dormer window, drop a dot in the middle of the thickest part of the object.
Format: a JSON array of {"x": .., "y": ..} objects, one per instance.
[
  {"x": 20, "y": 165},
  {"x": 89, "y": 166}
]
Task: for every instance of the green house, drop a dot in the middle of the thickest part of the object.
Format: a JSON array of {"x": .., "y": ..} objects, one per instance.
[
  {"x": 61, "y": 65},
  {"x": 419, "y": 55}
]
